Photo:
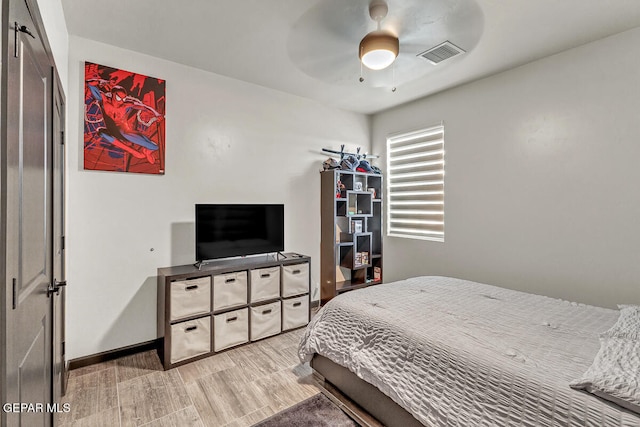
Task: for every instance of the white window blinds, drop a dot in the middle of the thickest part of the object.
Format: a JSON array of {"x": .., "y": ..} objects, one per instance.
[{"x": 415, "y": 184}]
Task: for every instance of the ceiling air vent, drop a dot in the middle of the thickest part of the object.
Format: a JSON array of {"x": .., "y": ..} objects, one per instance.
[{"x": 442, "y": 52}]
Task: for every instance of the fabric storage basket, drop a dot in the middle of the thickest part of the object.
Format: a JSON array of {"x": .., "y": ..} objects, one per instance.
[
  {"x": 295, "y": 312},
  {"x": 295, "y": 279},
  {"x": 265, "y": 284},
  {"x": 265, "y": 320},
  {"x": 190, "y": 338},
  {"x": 190, "y": 297},
  {"x": 229, "y": 290},
  {"x": 231, "y": 328}
]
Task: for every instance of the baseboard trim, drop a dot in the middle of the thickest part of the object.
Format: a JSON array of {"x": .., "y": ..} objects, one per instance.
[{"x": 105, "y": 356}]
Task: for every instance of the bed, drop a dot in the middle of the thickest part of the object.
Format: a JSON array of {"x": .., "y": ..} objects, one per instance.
[{"x": 441, "y": 351}]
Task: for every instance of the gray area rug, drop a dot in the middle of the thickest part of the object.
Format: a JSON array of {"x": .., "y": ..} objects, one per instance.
[{"x": 316, "y": 411}]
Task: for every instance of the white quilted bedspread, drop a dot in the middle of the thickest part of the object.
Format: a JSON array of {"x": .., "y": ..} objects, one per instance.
[{"x": 460, "y": 353}]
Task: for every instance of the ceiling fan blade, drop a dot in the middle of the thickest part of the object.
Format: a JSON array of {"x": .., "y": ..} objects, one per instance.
[{"x": 324, "y": 41}]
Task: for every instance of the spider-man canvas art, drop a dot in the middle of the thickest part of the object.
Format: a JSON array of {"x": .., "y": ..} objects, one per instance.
[{"x": 123, "y": 121}]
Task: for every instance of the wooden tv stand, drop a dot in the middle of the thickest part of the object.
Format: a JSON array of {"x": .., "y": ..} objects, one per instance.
[{"x": 221, "y": 304}]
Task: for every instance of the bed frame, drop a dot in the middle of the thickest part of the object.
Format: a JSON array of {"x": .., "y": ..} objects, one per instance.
[{"x": 367, "y": 397}]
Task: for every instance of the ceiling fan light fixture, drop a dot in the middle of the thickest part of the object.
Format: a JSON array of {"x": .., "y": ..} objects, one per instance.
[{"x": 379, "y": 49}]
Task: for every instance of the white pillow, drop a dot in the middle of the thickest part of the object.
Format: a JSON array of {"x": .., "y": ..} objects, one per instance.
[
  {"x": 615, "y": 373},
  {"x": 628, "y": 324}
]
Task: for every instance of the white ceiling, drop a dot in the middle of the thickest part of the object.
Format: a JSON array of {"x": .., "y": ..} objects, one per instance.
[{"x": 310, "y": 47}]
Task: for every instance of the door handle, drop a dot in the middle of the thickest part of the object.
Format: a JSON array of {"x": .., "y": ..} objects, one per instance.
[{"x": 55, "y": 287}]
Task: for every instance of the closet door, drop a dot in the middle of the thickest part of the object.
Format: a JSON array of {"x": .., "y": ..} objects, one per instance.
[
  {"x": 28, "y": 215},
  {"x": 59, "y": 273}
]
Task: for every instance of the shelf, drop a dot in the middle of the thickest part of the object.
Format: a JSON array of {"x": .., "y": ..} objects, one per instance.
[
  {"x": 351, "y": 231},
  {"x": 174, "y": 350},
  {"x": 347, "y": 285},
  {"x": 339, "y": 199},
  {"x": 351, "y": 237},
  {"x": 194, "y": 316}
]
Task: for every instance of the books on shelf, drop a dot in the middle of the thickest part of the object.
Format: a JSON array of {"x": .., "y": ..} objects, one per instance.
[{"x": 361, "y": 258}]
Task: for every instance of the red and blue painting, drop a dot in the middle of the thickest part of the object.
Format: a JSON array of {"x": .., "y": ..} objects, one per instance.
[{"x": 123, "y": 121}]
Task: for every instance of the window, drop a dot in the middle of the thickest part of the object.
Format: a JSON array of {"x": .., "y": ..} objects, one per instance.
[{"x": 415, "y": 184}]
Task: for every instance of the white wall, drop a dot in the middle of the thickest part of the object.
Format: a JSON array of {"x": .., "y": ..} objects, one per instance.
[
  {"x": 542, "y": 177},
  {"x": 56, "y": 28},
  {"x": 227, "y": 142}
]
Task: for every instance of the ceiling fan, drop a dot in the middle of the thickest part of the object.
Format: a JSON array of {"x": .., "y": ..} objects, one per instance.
[{"x": 329, "y": 41}]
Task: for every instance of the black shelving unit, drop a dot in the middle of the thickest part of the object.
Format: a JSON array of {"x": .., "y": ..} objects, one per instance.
[{"x": 351, "y": 231}]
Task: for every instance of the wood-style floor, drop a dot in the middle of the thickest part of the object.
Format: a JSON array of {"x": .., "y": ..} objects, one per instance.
[{"x": 235, "y": 388}]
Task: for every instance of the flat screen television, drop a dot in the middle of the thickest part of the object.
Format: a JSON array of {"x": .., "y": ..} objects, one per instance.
[{"x": 224, "y": 231}]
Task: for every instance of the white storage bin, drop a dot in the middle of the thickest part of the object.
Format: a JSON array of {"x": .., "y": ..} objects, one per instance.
[
  {"x": 190, "y": 338},
  {"x": 229, "y": 290},
  {"x": 231, "y": 328},
  {"x": 295, "y": 279},
  {"x": 265, "y": 320},
  {"x": 190, "y": 297},
  {"x": 295, "y": 312},
  {"x": 265, "y": 284}
]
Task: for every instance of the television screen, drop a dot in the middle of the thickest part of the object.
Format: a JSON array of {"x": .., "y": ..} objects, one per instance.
[{"x": 224, "y": 231}]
